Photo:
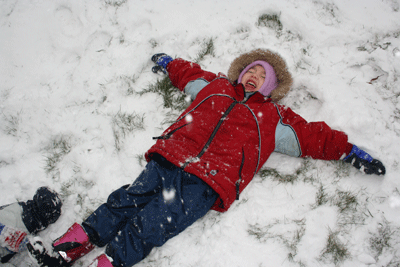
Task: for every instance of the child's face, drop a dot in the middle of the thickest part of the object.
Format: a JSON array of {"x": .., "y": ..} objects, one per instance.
[{"x": 253, "y": 79}]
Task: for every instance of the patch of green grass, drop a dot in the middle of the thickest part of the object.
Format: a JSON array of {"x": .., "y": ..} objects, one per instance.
[
  {"x": 381, "y": 41},
  {"x": 322, "y": 197},
  {"x": 208, "y": 49},
  {"x": 242, "y": 29},
  {"x": 172, "y": 97},
  {"x": 79, "y": 186},
  {"x": 115, "y": 3},
  {"x": 287, "y": 178},
  {"x": 153, "y": 43},
  {"x": 352, "y": 207},
  {"x": 293, "y": 242},
  {"x": 352, "y": 211},
  {"x": 327, "y": 12},
  {"x": 290, "y": 237},
  {"x": 68, "y": 188},
  {"x": 372, "y": 46},
  {"x": 386, "y": 241},
  {"x": 335, "y": 250},
  {"x": 4, "y": 163},
  {"x": 342, "y": 169},
  {"x": 141, "y": 160},
  {"x": 122, "y": 82},
  {"x": 345, "y": 201},
  {"x": 271, "y": 21},
  {"x": 331, "y": 8},
  {"x": 277, "y": 176},
  {"x": 129, "y": 81},
  {"x": 55, "y": 151},
  {"x": 261, "y": 233},
  {"x": 11, "y": 124},
  {"x": 123, "y": 124}
]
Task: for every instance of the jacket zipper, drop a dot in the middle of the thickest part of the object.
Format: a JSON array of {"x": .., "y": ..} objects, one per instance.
[
  {"x": 205, "y": 147},
  {"x": 239, "y": 181}
]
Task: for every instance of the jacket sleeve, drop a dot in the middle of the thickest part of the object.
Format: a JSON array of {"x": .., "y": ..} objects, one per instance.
[
  {"x": 314, "y": 139},
  {"x": 184, "y": 73}
]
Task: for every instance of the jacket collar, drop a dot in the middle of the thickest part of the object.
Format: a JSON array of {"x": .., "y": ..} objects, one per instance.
[{"x": 256, "y": 97}]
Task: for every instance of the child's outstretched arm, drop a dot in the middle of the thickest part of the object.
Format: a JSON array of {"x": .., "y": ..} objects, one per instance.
[
  {"x": 319, "y": 141},
  {"x": 187, "y": 76},
  {"x": 364, "y": 162}
]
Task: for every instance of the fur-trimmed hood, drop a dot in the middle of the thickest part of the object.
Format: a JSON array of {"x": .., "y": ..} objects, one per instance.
[{"x": 275, "y": 60}]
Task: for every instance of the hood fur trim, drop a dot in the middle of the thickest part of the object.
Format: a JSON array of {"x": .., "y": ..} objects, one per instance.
[{"x": 275, "y": 60}]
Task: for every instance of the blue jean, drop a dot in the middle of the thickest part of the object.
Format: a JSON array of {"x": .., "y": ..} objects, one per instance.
[{"x": 162, "y": 202}]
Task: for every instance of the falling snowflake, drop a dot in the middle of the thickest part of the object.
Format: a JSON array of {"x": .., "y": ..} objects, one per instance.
[
  {"x": 189, "y": 118},
  {"x": 169, "y": 195}
]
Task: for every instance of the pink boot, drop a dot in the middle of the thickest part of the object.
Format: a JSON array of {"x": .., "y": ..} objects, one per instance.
[
  {"x": 73, "y": 244},
  {"x": 101, "y": 261}
]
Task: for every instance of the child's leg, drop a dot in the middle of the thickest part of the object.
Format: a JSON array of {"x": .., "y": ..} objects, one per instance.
[
  {"x": 103, "y": 224},
  {"x": 161, "y": 203},
  {"x": 123, "y": 204},
  {"x": 183, "y": 199}
]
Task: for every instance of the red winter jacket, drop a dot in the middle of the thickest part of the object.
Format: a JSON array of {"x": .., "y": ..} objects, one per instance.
[{"x": 224, "y": 138}]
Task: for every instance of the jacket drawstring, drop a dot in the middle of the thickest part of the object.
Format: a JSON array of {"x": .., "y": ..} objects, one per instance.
[{"x": 168, "y": 135}]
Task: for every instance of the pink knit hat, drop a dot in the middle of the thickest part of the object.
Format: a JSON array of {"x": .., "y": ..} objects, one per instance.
[{"x": 270, "y": 82}]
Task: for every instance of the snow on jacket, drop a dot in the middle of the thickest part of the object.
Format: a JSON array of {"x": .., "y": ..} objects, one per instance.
[{"x": 224, "y": 138}]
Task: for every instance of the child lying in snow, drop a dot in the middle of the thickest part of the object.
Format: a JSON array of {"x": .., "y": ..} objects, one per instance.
[{"x": 204, "y": 160}]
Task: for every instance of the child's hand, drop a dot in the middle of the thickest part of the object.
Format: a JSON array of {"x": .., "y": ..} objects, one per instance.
[
  {"x": 364, "y": 162},
  {"x": 161, "y": 61}
]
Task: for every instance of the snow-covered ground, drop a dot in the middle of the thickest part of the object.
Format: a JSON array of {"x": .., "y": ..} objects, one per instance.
[{"x": 71, "y": 70}]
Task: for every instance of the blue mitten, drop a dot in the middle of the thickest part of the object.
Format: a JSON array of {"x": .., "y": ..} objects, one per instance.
[
  {"x": 364, "y": 162},
  {"x": 161, "y": 61}
]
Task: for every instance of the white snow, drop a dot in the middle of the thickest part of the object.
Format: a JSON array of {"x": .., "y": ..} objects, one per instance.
[
  {"x": 69, "y": 67},
  {"x": 169, "y": 195}
]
